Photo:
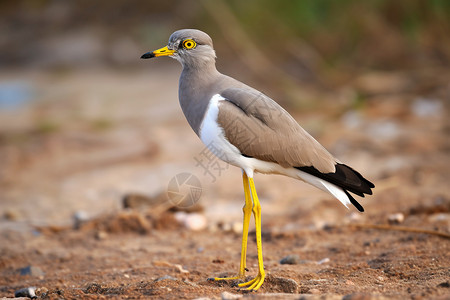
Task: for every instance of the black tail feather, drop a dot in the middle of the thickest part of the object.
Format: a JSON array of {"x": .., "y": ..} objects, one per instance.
[
  {"x": 347, "y": 179},
  {"x": 354, "y": 202}
]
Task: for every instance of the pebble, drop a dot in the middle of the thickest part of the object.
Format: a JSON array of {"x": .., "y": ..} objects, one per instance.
[
  {"x": 284, "y": 285},
  {"x": 180, "y": 269},
  {"x": 11, "y": 215},
  {"x": 323, "y": 261},
  {"x": 193, "y": 221},
  {"x": 225, "y": 227},
  {"x": 236, "y": 227},
  {"x": 79, "y": 218},
  {"x": 28, "y": 292},
  {"x": 41, "y": 292},
  {"x": 32, "y": 271},
  {"x": 362, "y": 296},
  {"x": 230, "y": 296},
  {"x": 165, "y": 277},
  {"x": 354, "y": 216},
  {"x": 290, "y": 260},
  {"x": 314, "y": 291},
  {"x": 101, "y": 235},
  {"x": 141, "y": 202},
  {"x": 439, "y": 217},
  {"x": 277, "y": 296},
  {"x": 424, "y": 107},
  {"x": 384, "y": 130},
  {"x": 396, "y": 218}
]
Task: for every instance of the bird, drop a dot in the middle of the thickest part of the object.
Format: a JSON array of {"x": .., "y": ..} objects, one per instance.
[{"x": 247, "y": 129}]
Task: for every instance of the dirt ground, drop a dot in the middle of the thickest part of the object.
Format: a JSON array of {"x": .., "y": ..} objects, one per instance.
[{"x": 90, "y": 138}]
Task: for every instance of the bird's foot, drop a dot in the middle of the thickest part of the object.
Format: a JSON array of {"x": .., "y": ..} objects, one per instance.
[
  {"x": 255, "y": 283},
  {"x": 237, "y": 278}
]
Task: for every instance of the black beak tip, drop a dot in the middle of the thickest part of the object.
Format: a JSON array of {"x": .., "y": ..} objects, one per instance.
[{"x": 147, "y": 55}]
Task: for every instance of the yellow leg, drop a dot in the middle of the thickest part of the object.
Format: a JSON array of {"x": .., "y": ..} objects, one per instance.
[
  {"x": 247, "y": 209},
  {"x": 256, "y": 283}
]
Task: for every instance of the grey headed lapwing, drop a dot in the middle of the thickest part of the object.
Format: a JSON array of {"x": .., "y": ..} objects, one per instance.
[{"x": 247, "y": 129}]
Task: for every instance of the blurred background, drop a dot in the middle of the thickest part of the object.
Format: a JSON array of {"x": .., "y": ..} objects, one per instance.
[{"x": 84, "y": 121}]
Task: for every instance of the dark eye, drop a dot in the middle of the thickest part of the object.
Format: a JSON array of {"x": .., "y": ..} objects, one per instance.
[{"x": 189, "y": 44}]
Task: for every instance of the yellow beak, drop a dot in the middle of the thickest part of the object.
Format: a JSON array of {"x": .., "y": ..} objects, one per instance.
[{"x": 160, "y": 52}]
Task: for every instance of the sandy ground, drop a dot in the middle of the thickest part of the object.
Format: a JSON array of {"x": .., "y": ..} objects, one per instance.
[{"x": 90, "y": 138}]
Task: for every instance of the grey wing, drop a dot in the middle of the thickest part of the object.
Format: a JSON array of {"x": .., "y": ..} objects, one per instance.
[{"x": 262, "y": 129}]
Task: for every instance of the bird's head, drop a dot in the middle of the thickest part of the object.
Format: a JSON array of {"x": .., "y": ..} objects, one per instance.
[{"x": 191, "y": 47}]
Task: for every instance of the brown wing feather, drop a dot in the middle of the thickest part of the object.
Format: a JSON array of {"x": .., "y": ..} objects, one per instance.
[{"x": 260, "y": 128}]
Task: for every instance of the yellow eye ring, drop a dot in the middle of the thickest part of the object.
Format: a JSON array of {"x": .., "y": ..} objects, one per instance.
[{"x": 189, "y": 44}]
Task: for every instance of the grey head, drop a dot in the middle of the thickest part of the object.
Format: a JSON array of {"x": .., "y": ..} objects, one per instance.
[{"x": 191, "y": 47}]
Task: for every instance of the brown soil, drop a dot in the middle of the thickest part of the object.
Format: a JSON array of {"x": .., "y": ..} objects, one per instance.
[{"x": 93, "y": 137}]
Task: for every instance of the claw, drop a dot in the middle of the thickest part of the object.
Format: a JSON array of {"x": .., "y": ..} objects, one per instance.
[{"x": 254, "y": 284}]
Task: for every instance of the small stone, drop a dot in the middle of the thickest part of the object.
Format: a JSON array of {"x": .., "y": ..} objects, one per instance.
[
  {"x": 323, "y": 261},
  {"x": 445, "y": 284},
  {"x": 141, "y": 202},
  {"x": 354, "y": 216},
  {"x": 165, "y": 277},
  {"x": 32, "y": 271},
  {"x": 314, "y": 291},
  {"x": 230, "y": 296},
  {"x": 358, "y": 296},
  {"x": 79, "y": 218},
  {"x": 226, "y": 227},
  {"x": 424, "y": 108},
  {"x": 396, "y": 218},
  {"x": 352, "y": 119},
  {"x": 93, "y": 288},
  {"x": 384, "y": 130},
  {"x": 11, "y": 215},
  {"x": 180, "y": 269},
  {"x": 193, "y": 221},
  {"x": 236, "y": 227},
  {"x": 41, "y": 292},
  {"x": 284, "y": 285},
  {"x": 101, "y": 235},
  {"x": 349, "y": 282},
  {"x": 439, "y": 217},
  {"x": 28, "y": 292},
  {"x": 290, "y": 260},
  {"x": 213, "y": 228}
]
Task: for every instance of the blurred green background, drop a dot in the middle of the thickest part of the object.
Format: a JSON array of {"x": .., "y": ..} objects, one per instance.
[{"x": 316, "y": 41}]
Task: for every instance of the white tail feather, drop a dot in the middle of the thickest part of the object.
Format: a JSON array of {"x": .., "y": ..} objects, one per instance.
[
  {"x": 334, "y": 190},
  {"x": 249, "y": 164}
]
